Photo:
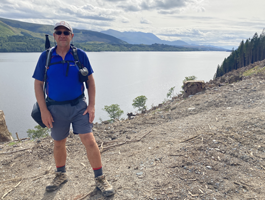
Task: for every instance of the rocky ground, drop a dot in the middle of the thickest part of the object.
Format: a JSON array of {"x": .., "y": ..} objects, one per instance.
[{"x": 207, "y": 146}]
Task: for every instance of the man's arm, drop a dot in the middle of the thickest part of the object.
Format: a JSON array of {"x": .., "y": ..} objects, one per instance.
[
  {"x": 91, "y": 90},
  {"x": 45, "y": 113}
]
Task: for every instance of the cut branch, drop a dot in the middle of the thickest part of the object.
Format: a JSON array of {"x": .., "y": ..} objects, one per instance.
[
  {"x": 125, "y": 142},
  {"x": 14, "y": 151}
]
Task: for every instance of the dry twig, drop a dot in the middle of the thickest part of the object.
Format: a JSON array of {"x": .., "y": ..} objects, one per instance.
[
  {"x": 13, "y": 179},
  {"x": 11, "y": 190},
  {"x": 189, "y": 139},
  {"x": 15, "y": 151},
  {"x": 125, "y": 142}
]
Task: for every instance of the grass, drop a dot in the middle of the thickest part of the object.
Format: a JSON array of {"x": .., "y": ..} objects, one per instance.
[
  {"x": 254, "y": 70},
  {"x": 12, "y": 143},
  {"x": 5, "y": 30}
]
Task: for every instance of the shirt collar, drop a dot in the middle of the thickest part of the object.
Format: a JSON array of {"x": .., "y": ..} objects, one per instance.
[{"x": 54, "y": 51}]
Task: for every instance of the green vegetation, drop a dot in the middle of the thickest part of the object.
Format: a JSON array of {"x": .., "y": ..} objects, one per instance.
[
  {"x": 33, "y": 28},
  {"x": 12, "y": 143},
  {"x": 28, "y": 43},
  {"x": 17, "y": 36},
  {"x": 189, "y": 78},
  {"x": 96, "y": 46},
  {"x": 170, "y": 92},
  {"x": 6, "y": 30},
  {"x": 250, "y": 51},
  {"x": 37, "y": 31},
  {"x": 255, "y": 70},
  {"x": 38, "y": 132},
  {"x": 17, "y": 43},
  {"x": 114, "y": 111},
  {"x": 139, "y": 102}
]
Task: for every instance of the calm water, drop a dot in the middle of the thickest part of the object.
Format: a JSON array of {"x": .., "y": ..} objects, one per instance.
[{"x": 119, "y": 76}]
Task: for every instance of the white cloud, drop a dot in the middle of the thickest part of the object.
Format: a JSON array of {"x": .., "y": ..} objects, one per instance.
[
  {"x": 124, "y": 20},
  {"x": 204, "y": 37},
  {"x": 166, "y": 5},
  {"x": 144, "y": 21},
  {"x": 203, "y": 21}
]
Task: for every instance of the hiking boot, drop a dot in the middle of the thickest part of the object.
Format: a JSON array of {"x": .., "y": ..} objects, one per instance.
[
  {"x": 60, "y": 178},
  {"x": 103, "y": 185}
]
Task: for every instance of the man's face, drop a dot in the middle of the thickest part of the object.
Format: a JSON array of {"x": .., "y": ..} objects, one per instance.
[{"x": 62, "y": 40}]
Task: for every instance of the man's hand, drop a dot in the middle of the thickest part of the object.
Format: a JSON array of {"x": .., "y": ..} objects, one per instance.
[
  {"x": 47, "y": 118},
  {"x": 91, "y": 111}
]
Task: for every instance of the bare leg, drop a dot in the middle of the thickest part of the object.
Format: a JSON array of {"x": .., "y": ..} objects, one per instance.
[
  {"x": 92, "y": 150},
  {"x": 59, "y": 152}
]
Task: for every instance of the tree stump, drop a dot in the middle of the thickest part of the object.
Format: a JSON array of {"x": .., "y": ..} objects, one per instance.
[
  {"x": 193, "y": 87},
  {"x": 5, "y": 135}
]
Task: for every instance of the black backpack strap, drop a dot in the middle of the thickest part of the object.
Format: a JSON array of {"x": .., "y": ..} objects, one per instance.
[
  {"x": 63, "y": 62},
  {"x": 77, "y": 62},
  {"x": 48, "y": 60},
  {"x": 74, "y": 49},
  {"x": 48, "y": 63}
]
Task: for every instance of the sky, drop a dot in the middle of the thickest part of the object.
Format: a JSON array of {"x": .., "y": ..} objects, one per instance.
[{"x": 223, "y": 23}]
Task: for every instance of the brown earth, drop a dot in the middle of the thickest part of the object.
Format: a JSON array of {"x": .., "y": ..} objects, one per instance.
[{"x": 208, "y": 146}]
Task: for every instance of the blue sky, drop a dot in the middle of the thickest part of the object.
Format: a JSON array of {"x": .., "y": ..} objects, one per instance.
[{"x": 214, "y": 22}]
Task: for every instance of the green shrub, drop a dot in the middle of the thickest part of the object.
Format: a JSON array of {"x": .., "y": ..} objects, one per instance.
[
  {"x": 139, "y": 102},
  {"x": 170, "y": 92},
  {"x": 114, "y": 111},
  {"x": 38, "y": 132}
]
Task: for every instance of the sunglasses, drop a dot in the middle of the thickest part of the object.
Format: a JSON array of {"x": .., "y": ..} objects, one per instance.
[{"x": 64, "y": 32}]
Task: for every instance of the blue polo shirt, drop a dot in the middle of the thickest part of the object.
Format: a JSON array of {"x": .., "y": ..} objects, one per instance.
[{"x": 61, "y": 86}]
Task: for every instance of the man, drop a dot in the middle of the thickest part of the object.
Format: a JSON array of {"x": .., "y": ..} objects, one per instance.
[{"x": 65, "y": 94}]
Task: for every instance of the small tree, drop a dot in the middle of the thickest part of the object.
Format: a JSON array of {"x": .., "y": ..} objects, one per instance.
[
  {"x": 139, "y": 102},
  {"x": 170, "y": 92},
  {"x": 38, "y": 132},
  {"x": 114, "y": 111}
]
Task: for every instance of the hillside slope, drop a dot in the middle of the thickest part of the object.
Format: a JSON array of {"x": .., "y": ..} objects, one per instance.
[
  {"x": 39, "y": 31},
  {"x": 6, "y": 30},
  {"x": 208, "y": 146}
]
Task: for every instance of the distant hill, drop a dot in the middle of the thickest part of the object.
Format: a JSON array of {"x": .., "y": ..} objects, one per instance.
[
  {"x": 150, "y": 38},
  {"x": 142, "y": 38},
  {"x": 18, "y": 36},
  {"x": 14, "y": 27}
]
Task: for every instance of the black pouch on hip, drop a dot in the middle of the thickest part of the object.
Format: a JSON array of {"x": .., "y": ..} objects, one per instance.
[{"x": 36, "y": 115}]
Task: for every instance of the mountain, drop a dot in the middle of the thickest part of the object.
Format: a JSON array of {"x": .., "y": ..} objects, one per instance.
[
  {"x": 150, "y": 38},
  {"x": 18, "y": 36},
  {"x": 13, "y": 27},
  {"x": 142, "y": 38}
]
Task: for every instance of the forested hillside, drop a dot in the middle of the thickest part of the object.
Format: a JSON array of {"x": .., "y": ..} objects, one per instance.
[
  {"x": 131, "y": 47},
  {"x": 17, "y": 36},
  {"x": 248, "y": 52},
  {"x": 18, "y": 43}
]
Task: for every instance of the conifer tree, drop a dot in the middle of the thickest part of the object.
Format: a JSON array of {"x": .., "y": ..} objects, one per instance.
[{"x": 250, "y": 51}]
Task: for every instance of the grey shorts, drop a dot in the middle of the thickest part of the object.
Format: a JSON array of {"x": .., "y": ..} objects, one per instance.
[{"x": 64, "y": 115}]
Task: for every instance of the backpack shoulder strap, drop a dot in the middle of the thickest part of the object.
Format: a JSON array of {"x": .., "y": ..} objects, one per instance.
[
  {"x": 48, "y": 56},
  {"x": 77, "y": 62},
  {"x": 48, "y": 60}
]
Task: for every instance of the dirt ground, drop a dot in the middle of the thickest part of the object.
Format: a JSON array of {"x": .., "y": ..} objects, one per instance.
[{"x": 207, "y": 146}]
